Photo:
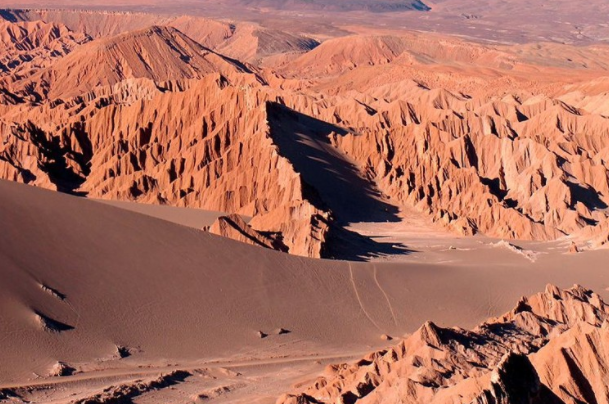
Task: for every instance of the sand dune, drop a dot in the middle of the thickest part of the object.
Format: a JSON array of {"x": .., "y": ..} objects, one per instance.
[
  {"x": 196, "y": 218},
  {"x": 105, "y": 277}
]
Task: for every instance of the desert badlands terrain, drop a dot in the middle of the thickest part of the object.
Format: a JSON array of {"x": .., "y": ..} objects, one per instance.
[{"x": 298, "y": 202}]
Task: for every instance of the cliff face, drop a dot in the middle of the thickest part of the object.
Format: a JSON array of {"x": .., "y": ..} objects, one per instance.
[{"x": 549, "y": 349}]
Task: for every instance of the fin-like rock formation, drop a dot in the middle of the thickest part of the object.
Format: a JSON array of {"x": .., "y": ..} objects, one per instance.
[
  {"x": 234, "y": 227},
  {"x": 536, "y": 167},
  {"x": 155, "y": 117},
  {"x": 27, "y": 46},
  {"x": 549, "y": 349}
]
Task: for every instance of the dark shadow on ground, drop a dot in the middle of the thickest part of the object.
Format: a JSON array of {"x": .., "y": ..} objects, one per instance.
[
  {"x": 337, "y": 183},
  {"x": 344, "y": 244},
  {"x": 332, "y": 182},
  {"x": 55, "y": 157}
]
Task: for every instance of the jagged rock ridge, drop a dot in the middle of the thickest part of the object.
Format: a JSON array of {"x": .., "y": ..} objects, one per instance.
[{"x": 549, "y": 349}]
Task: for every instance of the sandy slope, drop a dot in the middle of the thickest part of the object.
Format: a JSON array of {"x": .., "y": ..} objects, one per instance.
[{"x": 170, "y": 293}]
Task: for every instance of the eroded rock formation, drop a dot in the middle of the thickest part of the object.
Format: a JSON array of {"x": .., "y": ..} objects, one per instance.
[
  {"x": 234, "y": 227},
  {"x": 549, "y": 349},
  {"x": 153, "y": 116}
]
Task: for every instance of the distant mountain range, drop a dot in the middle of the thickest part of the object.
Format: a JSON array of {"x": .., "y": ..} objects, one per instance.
[{"x": 345, "y": 5}]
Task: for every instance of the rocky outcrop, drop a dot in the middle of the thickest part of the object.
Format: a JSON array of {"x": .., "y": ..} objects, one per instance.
[
  {"x": 27, "y": 48},
  {"x": 549, "y": 349},
  {"x": 234, "y": 227}
]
